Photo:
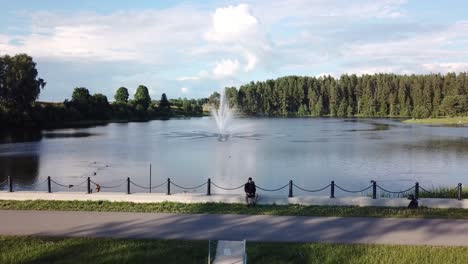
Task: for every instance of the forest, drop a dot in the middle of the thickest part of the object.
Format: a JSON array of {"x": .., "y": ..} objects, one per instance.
[
  {"x": 377, "y": 95},
  {"x": 20, "y": 88}
]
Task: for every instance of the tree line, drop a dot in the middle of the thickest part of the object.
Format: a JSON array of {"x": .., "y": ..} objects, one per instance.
[
  {"x": 377, "y": 95},
  {"x": 20, "y": 87}
]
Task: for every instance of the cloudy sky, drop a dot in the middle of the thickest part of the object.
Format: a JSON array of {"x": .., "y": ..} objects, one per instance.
[{"x": 190, "y": 49}]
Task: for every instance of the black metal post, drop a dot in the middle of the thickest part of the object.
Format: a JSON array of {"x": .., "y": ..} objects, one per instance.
[
  {"x": 150, "y": 179},
  {"x": 128, "y": 185},
  {"x": 332, "y": 189},
  {"x": 460, "y": 191},
  {"x": 89, "y": 185},
  {"x": 168, "y": 186},
  {"x": 416, "y": 191},
  {"x": 374, "y": 190},
  {"x": 49, "y": 185},
  {"x": 208, "y": 187},
  {"x": 290, "y": 188},
  {"x": 10, "y": 184}
]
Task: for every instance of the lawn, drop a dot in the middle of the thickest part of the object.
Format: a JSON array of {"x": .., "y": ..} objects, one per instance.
[
  {"x": 440, "y": 121},
  {"x": 104, "y": 250},
  {"x": 270, "y": 253},
  {"x": 88, "y": 250},
  {"x": 220, "y": 208}
]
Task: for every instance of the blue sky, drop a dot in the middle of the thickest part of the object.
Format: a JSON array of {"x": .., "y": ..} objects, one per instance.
[{"x": 190, "y": 49}]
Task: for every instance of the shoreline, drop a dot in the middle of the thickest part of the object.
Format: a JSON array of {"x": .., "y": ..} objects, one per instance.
[
  {"x": 232, "y": 199},
  {"x": 441, "y": 121}
]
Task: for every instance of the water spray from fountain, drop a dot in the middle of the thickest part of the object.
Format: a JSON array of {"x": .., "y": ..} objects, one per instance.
[{"x": 223, "y": 117}]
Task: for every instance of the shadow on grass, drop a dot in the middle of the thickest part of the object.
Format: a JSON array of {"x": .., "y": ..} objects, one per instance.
[{"x": 86, "y": 250}]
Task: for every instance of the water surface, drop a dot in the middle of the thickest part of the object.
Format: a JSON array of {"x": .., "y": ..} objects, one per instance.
[{"x": 311, "y": 152}]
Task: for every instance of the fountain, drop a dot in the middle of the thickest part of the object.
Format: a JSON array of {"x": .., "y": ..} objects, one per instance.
[{"x": 223, "y": 116}]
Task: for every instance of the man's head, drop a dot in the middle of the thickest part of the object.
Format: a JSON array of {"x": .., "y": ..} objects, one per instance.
[{"x": 250, "y": 179}]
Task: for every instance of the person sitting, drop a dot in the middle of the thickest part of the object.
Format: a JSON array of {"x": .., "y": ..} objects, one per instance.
[
  {"x": 250, "y": 190},
  {"x": 413, "y": 203}
]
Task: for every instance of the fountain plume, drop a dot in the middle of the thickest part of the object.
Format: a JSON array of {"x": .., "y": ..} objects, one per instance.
[{"x": 223, "y": 116}]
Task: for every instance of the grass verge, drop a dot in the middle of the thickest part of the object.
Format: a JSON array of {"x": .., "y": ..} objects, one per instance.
[
  {"x": 103, "y": 250},
  {"x": 439, "y": 121},
  {"x": 221, "y": 208},
  {"x": 352, "y": 253}
]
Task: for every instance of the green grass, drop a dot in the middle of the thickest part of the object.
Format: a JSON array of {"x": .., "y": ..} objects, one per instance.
[
  {"x": 103, "y": 250},
  {"x": 442, "y": 192},
  {"x": 270, "y": 253},
  {"x": 440, "y": 121},
  {"x": 88, "y": 250},
  {"x": 220, "y": 208}
]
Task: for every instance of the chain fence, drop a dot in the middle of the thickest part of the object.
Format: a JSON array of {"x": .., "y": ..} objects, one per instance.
[{"x": 374, "y": 186}]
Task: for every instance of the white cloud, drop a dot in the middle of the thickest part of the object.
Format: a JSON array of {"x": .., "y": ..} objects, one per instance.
[
  {"x": 207, "y": 46},
  {"x": 188, "y": 78},
  {"x": 226, "y": 68},
  {"x": 232, "y": 24},
  {"x": 149, "y": 36},
  {"x": 445, "y": 67},
  {"x": 184, "y": 90},
  {"x": 237, "y": 30}
]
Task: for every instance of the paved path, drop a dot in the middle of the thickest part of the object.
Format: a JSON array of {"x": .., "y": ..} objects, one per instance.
[
  {"x": 236, "y": 227},
  {"x": 230, "y": 198}
]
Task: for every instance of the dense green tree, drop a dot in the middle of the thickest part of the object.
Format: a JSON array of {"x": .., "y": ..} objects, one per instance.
[
  {"x": 19, "y": 85},
  {"x": 121, "y": 96},
  {"x": 164, "y": 103},
  {"x": 81, "y": 95},
  {"x": 142, "y": 98}
]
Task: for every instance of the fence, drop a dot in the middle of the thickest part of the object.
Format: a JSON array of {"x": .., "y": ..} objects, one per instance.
[{"x": 416, "y": 188}]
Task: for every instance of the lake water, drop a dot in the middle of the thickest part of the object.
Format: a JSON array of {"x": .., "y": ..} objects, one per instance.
[{"x": 311, "y": 152}]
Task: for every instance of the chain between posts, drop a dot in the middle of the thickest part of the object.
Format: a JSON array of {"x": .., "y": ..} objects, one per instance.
[{"x": 458, "y": 189}]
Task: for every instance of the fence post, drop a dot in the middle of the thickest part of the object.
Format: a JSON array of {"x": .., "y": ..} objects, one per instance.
[
  {"x": 168, "y": 186},
  {"x": 374, "y": 190},
  {"x": 10, "y": 184},
  {"x": 150, "y": 179},
  {"x": 89, "y": 185},
  {"x": 208, "y": 187},
  {"x": 460, "y": 191},
  {"x": 416, "y": 191},
  {"x": 49, "y": 186},
  {"x": 128, "y": 185},
  {"x": 332, "y": 189},
  {"x": 290, "y": 189}
]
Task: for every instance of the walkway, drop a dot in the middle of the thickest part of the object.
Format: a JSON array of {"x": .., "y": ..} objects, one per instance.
[
  {"x": 236, "y": 227},
  {"x": 229, "y": 198}
]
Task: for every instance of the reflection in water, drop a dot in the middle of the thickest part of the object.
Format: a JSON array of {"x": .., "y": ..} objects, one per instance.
[
  {"x": 68, "y": 135},
  {"x": 24, "y": 169},
  {"x": 20, "y": 135},
  {"x": 312, "y": 152},
  {"x": 202, "y": 135}
]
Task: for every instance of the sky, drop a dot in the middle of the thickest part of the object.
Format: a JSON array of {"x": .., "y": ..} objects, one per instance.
[{"x": 192, "y": 48}]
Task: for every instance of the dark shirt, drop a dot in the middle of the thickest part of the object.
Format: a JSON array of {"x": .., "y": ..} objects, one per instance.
[{"x": 250, "y": 187}]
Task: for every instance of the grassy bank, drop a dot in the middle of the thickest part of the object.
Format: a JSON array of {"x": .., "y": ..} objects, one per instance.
[
  {"x": 270, "y": 253},
  {"x": 439, "y": 121},
  {"x": 99, "y": 250},
  {"x": 220, "y": 208},
  {"x": 87, "y": 250}
]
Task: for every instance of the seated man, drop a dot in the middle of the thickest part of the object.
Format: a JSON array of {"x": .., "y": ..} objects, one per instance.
[
  {"x": 414, "y": 203},
  {"x": 250, "y": 190}
]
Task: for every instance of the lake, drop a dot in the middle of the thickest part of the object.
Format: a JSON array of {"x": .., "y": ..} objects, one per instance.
[{"x": 309, "y": 151}]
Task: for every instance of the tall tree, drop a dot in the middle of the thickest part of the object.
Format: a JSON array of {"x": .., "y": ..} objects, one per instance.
[
  {"x": 121, "y": 96},
  {"x": 164, "y": 103},
  {"x": 19, "y": 85},
  {"x": 142, "y": 97}
]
